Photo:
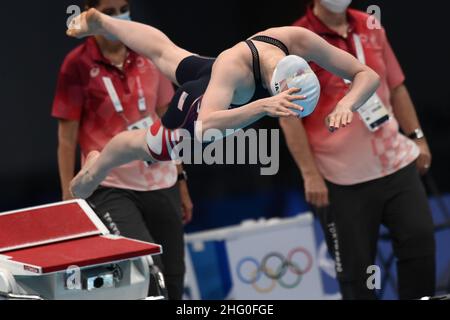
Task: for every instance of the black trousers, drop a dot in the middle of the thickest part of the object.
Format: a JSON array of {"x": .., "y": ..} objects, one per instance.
[
  {"x": 351, "y": 224},
  {"x": 153, "y": 216}
]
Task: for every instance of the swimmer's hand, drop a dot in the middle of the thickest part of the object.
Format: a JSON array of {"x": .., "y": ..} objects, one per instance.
[
  {"x": 341, "y": 116},
  {"x": 282, "y": 104},
  {"x": 86, "y": 24}
]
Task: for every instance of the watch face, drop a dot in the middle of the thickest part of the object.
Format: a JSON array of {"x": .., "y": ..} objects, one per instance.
[
  {"x": 182, "y": 176},
  {"x": 419, "y": 134}
]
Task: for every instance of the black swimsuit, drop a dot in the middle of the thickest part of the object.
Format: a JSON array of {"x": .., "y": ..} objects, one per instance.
[{"x": 260, "y": 91}]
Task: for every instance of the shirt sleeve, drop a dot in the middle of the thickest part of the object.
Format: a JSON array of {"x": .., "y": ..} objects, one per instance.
[
  {"x": 165, "y": 91},
  {"x": 395, "y": 75},
  {"x": 69, "y": 96},
  {"x": 297, "y": 23}
]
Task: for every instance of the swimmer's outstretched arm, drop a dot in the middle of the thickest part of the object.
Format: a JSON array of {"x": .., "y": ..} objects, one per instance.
[
  {"x": 125, "y": 147},
  {"x": 145, "y": 40}
]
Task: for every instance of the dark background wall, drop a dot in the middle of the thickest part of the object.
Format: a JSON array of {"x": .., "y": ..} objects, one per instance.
[{"x": 34, "y": 45}]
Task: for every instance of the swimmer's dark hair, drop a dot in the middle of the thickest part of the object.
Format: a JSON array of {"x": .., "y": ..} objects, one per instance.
[{"x": 92, "y": 3}]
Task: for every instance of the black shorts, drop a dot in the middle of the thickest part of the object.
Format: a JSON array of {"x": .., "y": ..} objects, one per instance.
[
  {"x": 351, "y": 224},
  {"x": 193, "y": 75}
]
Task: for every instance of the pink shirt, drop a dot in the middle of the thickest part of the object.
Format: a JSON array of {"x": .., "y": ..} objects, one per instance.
[{"x": 354, "y": 154}]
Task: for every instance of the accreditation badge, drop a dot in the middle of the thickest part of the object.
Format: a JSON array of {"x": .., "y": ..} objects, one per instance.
[{"x": 374, "y": 113}]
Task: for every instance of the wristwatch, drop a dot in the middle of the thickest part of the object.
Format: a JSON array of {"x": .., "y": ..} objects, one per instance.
[
  {"x": 416, "y": 134},
  {"x": 182, "y": 176}
]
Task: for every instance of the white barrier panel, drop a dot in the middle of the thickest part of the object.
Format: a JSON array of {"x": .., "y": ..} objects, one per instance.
[{"x": 261, "y": 260}]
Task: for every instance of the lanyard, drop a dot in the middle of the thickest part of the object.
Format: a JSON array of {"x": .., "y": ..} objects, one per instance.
[
  {"x": 142, "y": 106},
  {"x": 373, "y": 113},
  {"x": 113, "y": 94},
  {"x": 118, "y": 107},
  {"x": 359, "y": 53},
  {"x": 359, "y": 49}
]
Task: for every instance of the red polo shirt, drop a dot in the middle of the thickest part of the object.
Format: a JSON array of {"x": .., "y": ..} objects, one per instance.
[
  {"x": 106, "y": 101},
  {"x": 354, "y": 154}
]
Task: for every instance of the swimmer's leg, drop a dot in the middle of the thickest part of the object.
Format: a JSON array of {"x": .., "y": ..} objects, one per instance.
[
  {"x": 125, "y": 147},
  {"x": 145, "y": 40}
]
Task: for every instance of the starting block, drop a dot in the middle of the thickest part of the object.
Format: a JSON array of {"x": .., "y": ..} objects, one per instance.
[{"x": 64, "y": 251}]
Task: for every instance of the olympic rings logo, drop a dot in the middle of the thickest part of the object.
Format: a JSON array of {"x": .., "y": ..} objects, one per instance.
[{"x": 276, "y": 268}]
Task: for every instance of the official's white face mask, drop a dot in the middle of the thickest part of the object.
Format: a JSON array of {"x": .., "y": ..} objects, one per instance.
[
  {"x": 294, "y": 72},
  {"x": 124, "y": 16},
  {"x": 336, "y": 6}
]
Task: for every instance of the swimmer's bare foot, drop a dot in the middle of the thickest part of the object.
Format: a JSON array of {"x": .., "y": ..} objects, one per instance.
[
  {"x": 86, "y": 24},
  {"x": 84, "y": 184}
]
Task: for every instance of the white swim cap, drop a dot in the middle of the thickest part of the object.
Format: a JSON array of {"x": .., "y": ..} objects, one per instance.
[{"x": 294, "y": 72}]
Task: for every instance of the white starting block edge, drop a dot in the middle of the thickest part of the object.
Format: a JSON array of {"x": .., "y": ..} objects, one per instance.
[
  {"x": 250, "y": 227},
  {"x": 20, "y": 269},
  {"x": 101, "y": 228}
]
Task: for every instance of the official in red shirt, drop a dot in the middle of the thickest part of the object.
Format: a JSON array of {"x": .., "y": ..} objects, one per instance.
[
  {"x": 367, "y": 174},
  {"x": 103, "y": 89}
]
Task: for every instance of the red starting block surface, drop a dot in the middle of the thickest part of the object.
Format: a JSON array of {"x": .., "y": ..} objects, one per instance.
[
  {"x": 55, "y": 237},
  {"x": 47, "y": 224},
  {"x": 81, "y": 253}
]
